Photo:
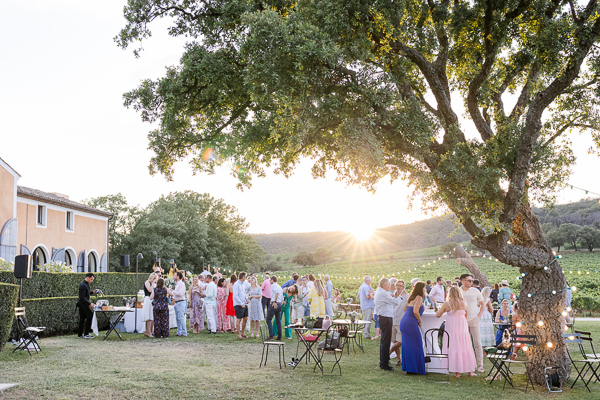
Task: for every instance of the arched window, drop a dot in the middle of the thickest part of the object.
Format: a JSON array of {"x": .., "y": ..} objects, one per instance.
[
  {"x": 39, "y": 258},
  {"x": 92, "y": 263},
  {"x": 68, "y": 259}
]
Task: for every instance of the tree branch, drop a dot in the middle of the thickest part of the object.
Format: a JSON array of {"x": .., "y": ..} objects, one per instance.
[{"x": 533, "y": 123}]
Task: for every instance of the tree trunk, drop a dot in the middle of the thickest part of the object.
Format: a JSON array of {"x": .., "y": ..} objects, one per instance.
[
  {"x": 543, "y": 292},
  {"x": 466, "y": 261}
]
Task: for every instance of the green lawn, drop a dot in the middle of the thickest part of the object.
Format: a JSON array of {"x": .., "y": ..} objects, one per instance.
[{"x": 221, "y": 367}]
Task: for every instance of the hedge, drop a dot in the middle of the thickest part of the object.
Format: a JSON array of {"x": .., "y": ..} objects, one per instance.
[
  {"x": 50, "y": 284},
  {"x": 8, "y": 302},
  {"x": 59, "y": 314}
]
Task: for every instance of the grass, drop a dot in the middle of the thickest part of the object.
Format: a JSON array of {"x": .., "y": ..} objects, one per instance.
[{"x": 221, "y": 367}]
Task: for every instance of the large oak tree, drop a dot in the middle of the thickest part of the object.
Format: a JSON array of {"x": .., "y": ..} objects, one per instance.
[{"x": 374, "y": 88}]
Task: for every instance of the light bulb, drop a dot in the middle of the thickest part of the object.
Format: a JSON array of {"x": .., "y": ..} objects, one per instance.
[
  {"x": 540, "y": 323},
  {"x": 546, "y": 268},
  {"x": 564, "y": 313},
  {"x": 523, "y": 274},
  {"x": 568, "y": 309},
  {"x": 553, "y": 292},
  {"x": 573, "y": 288},
  {"x": 571, "y": 337},
  {"x": 549, "y": 344},
  {"x": 554, "y": 252},
  {"x": 518, "y": 324},
  {"x": 529, "y": 295},
  {"x": 566, "y": 328}
]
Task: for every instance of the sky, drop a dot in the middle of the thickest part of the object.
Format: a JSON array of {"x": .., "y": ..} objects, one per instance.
[{"x": 63, "y": 128}]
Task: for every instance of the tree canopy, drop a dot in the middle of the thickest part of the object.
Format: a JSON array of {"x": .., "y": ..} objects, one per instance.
[
  {"x": 182, "y": 226},
  {"x": 375, "y": 88}
]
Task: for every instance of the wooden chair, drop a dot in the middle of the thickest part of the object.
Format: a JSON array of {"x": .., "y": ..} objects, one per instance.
[
  {"x": 29, "y": 335},
  {"x": 268, "y": 343}
]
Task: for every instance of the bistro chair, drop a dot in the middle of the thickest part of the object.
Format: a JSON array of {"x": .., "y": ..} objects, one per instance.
[
  {"x": 499, "y": 354},
  {"x": 437, "y": 342},
  {"x": 264, "y": 334},
  {"x": 573, "y": 343},
  {"x": 333, "y": 344},
  {"x": 29, "y": 335},
  {"x": 587, "y": 345},
  {"x": 504, "y": 365}
]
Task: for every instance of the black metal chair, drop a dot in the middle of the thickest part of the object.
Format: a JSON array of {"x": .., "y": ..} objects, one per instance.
[
  {"x": 268, "y": 343},
  {"x": 590, "y": 366},
  {"x": 504, "y": 365},
  {"x": 28, "y": 335},
  {"x": 587, "y": 345},
  {"x": 436, "y": 347},
  {"x": 499, "y": 355},
  {"x": 333, "y": 344}
]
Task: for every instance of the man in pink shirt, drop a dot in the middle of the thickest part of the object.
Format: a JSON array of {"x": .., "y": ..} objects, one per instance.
[{"x": 266, "y": 293}]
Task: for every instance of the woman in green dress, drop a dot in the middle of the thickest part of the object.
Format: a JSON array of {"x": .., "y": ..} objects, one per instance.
[{"x": 285, "y": 314}]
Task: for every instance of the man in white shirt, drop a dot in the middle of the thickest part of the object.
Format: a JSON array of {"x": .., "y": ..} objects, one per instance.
[
  {"x": 329, "y": 290},
  {"x": 180, "y": 303},
  {"x": 240, "y": 301},
  {"x": 474, "y": 302},
  {"x": 385, "y": 304},
  {"x": 438, "y": 292},
  {"x": 365, "y": 296},
  {"x": 275, "y": 308},
  {"x": 211, "y": 305}
]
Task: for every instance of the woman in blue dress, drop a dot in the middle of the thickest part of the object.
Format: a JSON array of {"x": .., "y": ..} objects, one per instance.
[{"x": 413, "y": 358}]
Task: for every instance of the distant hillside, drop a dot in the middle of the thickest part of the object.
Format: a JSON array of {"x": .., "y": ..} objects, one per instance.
[
  {"x": 418, "y": 235},
  {"x": 421, "y": 234}
]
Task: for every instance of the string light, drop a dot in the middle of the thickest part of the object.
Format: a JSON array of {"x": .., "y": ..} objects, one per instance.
[
  {"x": 540, "y": 323},
  {"x": 549, "y": 344}
]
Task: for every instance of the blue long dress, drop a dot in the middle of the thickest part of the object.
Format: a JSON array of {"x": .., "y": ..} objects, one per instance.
[{"x": 413, "y": 359}]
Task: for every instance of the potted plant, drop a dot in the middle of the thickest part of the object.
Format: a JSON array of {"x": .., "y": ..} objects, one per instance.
[
  {"x": 309, "y": 322},
  {"x": 352, "y": 315}
]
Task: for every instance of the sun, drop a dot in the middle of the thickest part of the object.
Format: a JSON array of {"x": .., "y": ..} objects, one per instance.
[{"x": 362, "y": 234}]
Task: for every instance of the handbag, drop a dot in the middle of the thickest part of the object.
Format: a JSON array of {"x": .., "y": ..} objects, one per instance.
[{"x": 318, "y": 323}]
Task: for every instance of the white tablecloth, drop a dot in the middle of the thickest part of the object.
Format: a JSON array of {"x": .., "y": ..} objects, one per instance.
[
  {"x": 141, "y": 325},
  {"x": 430, "y": 321},
  {"x": 129, "y": 320}
]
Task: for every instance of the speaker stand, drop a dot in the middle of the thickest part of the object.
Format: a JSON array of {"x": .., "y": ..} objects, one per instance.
[{"x": 18, "y": 323}]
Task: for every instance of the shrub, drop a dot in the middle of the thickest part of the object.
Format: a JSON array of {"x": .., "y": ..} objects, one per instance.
[
  {"x": 49, "y": 284},
  {"x": 59, "y": 314},
  {"x": 8, "y": 302}
]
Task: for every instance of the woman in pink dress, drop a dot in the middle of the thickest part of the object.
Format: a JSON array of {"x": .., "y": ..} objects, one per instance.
[
  {"x": 461, "y": 358},
  {"x": 222, "y": 317}
]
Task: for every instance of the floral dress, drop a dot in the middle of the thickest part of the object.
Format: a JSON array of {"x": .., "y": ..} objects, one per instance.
[
  {"x": 486, "y": 328},
  {"x": 197, "y": 315},
  {"x": 317, "y": 303},
  {"x": 161, "y": 313},
  {"x": 255, "y": 310},
  {"x": 222, "y": 317}
]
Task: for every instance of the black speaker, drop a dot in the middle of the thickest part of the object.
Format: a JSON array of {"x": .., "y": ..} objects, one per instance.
[
  {"x": 125, "y": 260},
  {"x": 23, "y": 266}
]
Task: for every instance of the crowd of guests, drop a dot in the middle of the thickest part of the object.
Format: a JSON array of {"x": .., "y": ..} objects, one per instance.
[
  {"x": 469, "y": 320},
  {"x": 222, "y": 305}
]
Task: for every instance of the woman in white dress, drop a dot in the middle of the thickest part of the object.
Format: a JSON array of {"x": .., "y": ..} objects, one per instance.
[
  {"x": 147, "y": 315},
  {"x": 486, "y": 328}
]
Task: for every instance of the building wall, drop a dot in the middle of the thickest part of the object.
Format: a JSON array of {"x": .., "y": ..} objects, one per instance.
[
  {"x": 7, "y": 195},
  {"x": 89, "y": 230}
]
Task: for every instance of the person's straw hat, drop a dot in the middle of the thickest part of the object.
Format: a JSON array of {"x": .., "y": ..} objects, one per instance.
[{"x": 504, "y": 282}]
